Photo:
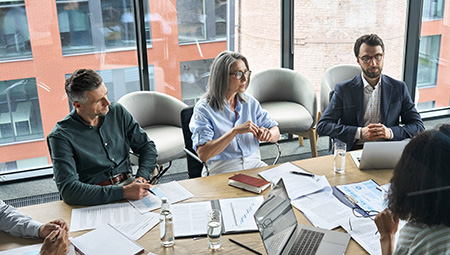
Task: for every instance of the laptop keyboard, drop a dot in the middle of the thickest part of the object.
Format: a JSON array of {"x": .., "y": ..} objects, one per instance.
[{"x": 307, "y": 242}]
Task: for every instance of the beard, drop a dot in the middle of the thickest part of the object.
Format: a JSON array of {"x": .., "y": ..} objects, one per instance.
[{"x": 375, "y": 74}]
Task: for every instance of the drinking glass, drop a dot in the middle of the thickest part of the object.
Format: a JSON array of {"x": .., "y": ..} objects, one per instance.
[
  {"x": 340, "y": 149},
  {"x": 214, "y": 232}
]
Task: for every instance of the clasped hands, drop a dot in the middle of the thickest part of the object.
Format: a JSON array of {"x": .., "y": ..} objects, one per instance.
[
  {"x": 262, "y": 134},
  {"x": 374, "y": 132},
  {"x": 56, "y": 238}
]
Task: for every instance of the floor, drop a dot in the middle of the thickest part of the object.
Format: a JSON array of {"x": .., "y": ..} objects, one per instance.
[{"x": 44, "y": 189}]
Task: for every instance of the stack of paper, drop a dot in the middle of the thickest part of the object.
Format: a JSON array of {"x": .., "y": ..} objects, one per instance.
[
  {"x": 105, "y": 240},
  {"x": 132, "y": 219}
]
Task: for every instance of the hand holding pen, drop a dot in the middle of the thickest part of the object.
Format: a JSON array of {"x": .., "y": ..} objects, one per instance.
[{"x": 149, "y": 190}]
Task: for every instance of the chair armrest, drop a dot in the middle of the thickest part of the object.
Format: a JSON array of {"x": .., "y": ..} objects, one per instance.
[
  {"x": 194, "y": 156},
  {"x": 278, "y": 154}
]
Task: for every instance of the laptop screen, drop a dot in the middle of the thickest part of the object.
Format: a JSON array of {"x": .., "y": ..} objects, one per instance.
[{"x": 275, "y": 219}]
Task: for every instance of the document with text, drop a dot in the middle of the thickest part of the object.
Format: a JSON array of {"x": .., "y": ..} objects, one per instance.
[
  {"x": 189, "y": 219},
  {"x": 296, "y": 185},
  {"x": 94, "y": 216},
  {"x": 106, "y": 240},
  {"x": 172, "y": 190},
  {"x": 317, "y": 207}
]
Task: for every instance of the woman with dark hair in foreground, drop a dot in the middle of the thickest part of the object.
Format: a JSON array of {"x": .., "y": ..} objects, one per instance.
[{"x": 420, "y": 192}]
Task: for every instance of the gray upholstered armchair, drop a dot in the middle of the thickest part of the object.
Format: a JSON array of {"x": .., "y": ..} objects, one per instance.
[
  {"x": 159, "y": 115},
  {"x": 290, "y": 99},
  {"x": 333, "y": 76}
]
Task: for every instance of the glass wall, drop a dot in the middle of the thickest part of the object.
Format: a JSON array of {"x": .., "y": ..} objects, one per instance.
[
  {"x": 433, "y": 72},
  {"x": 43, "y": 41},
  {"x": 65, "y": 35},
  {"x": 325, "y": 32},
  {"x": 60, "y": 36}
]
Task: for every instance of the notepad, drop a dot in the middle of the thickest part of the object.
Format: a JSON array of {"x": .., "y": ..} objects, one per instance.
[
  {"x": 248, "y": 183},
  {"x": 106, "y": 240}
]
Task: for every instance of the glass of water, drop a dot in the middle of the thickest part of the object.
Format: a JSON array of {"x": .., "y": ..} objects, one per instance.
[
  {"x": 214, "y": 232},
  {"x": 340, "y": 149}
]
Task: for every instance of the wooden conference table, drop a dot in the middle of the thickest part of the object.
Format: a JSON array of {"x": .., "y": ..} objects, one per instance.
[{"x": 209, "y": 188}]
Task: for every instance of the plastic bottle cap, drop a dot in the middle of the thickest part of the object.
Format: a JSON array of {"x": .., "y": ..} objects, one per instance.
[{"x": 164, "y": 200}]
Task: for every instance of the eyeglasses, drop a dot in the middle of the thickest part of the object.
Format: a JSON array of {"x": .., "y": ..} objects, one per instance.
[
  {"x": 240, "y": 74},
  {"x": 367, "y": 59},
  {"x": 361, "y": 213}
]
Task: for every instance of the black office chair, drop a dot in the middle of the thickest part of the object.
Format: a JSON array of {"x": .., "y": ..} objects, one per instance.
[{"x": 195, "y": 165}]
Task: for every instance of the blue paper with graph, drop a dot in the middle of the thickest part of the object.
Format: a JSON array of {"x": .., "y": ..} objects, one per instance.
[{"x": 364, "y": 196}]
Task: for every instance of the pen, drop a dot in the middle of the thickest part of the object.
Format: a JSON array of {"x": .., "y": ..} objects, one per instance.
[
  {"x": 301, "y": 173},
  {"x": 149, "y": 190},
  {"x": 243, "y": 246}
]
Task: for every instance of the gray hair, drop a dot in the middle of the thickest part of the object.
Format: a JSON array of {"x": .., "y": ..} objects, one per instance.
[
  {"x": 79, "y": 82},
  {"x": 219, "y": 79}
]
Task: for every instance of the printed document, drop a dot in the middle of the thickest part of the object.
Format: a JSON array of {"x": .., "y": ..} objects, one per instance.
[
  {"x": 31, "y": 250},
  {"x": 367, "y": 194},
  {"x": 189, "y": 219},
  {"x": 94, "y": 216},
  {"x": 296, "y": 185},
  {"x": 172, "y": 190},
  {"x": 317, "y": 207},
  {"x": 105, "y": 240}
]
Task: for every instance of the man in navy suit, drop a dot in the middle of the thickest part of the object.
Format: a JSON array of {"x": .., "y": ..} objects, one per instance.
[{"x": 368, "y": 106}]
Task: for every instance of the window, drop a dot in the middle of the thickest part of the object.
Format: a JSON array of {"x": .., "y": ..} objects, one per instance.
[
  {"x": 20, "y": 114},
  {"x": 324, "y": 38},
  {"x": 425, "y": 105},
  {"x": 87, "y": 26},
  {"x": 428, "y": 61},
  {"x": 194, "y": 79},
  {"x": 201, "y": 20},
  {"x": 433, "y": 73},
  {"x": 14, "y": 34},
  {"x": 433, "y": 10},
  {"x": 258, "y": 32},
  {"x": 123, "y": 81}
]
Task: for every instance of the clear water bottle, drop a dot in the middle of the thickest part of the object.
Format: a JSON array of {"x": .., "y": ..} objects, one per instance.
[{"x": 166, "y": 224}]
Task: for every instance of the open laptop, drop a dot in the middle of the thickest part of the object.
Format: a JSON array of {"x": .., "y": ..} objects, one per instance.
[
  {"x": 379, "y": 155},
  {"x": 281, "y": 234}
]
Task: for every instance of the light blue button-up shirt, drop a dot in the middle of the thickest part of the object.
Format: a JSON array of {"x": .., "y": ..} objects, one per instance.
[{"x": 207, "y": 124}]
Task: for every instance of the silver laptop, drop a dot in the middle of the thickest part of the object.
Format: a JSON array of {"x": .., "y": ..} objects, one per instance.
[
  {"x": 281, "y": 234},
  {"x": 379, "y": 155}
]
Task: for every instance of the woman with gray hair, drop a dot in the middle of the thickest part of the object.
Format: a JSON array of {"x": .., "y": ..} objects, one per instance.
[{"x": 228, "y": 124}]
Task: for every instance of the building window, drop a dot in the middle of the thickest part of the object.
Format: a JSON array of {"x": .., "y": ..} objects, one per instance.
[
  {"x": 426, "y": 105},
  {"x": 122, "y": 81},
  {"x": 194, "y": 79},
  {"x": 428, "y": 61},
  {"x": 433, "y": 10},
  {"x": 87, "y": 26},
  {"x": 20, "y": 114},
  {"x": 201, "y": 20},
  {"x": 14, "y": 34}
]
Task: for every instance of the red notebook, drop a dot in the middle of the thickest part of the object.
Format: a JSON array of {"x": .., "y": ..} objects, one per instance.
[{"x": 248, "y": 183}]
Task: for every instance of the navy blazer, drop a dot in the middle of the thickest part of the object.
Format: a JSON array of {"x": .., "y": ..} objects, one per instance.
[{"x": 345, "y": 112}]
